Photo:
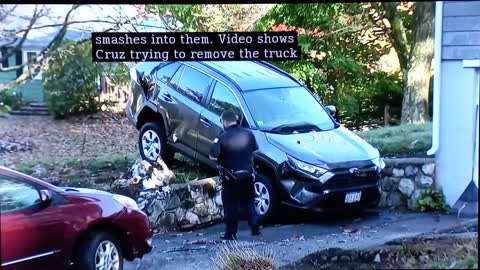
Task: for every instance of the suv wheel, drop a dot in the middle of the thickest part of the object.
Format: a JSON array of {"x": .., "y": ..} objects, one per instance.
[
  {"x": 265, "y": 198},
  {"x": 100, "y": 250},
  {"x": 152, "y": 143}
]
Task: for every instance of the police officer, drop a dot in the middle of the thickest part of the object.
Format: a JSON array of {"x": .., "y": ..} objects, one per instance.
[{"x": 233, "y": 150}]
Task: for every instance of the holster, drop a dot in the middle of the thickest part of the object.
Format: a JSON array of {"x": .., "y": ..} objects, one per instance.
[{"x": 236, "y": 175}]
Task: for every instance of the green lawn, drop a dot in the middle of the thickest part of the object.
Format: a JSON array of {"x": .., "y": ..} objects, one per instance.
[{"x": 403, "y": 140}]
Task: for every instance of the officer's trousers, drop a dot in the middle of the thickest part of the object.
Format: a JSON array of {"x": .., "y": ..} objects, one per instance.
[{"x": 234, "y": 195}]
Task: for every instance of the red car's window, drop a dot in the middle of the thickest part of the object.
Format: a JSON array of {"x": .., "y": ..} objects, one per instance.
[{"x": 16, "y": 195}]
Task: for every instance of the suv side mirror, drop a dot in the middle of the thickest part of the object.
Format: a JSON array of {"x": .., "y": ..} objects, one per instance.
[
  {"x": 45, "y": 197},
  {"x": 331, "y": 109}
]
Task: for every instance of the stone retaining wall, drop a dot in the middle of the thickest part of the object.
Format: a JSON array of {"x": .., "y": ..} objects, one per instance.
[
  {"x": 184, "y": 205},
  {"x": 405, "y": 179}
]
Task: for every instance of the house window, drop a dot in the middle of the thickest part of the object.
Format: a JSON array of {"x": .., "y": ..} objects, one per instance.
[
  {"x": 14, "y": 60},
  {"x": 32, "y": 57},
  {"x": 5, "y": 61}
]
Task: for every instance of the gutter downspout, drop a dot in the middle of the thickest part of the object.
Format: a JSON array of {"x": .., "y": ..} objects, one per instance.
[{"x": 436, "y": 78}]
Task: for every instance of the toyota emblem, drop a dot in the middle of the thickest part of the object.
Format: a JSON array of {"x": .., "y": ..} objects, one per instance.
[{"x": 354, "y": 171}]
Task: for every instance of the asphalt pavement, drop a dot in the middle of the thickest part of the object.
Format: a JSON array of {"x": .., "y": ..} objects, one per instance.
[{"x": 294, "y": 236}]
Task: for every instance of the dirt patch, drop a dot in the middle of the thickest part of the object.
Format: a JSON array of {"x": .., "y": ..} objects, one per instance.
[
  {"x": 86, "y": 151},
  {"x": 426, "y": 252},
  {"x": 88, "y": 137}
]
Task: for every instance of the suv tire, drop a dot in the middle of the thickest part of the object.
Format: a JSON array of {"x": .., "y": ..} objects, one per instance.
[
  {"x": 99, "y": 247},
  {"x": 266, "y": 198},
  {"x": 152, "y": 143}
]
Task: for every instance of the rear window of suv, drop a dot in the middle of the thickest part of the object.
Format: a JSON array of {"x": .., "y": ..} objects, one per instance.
[
  {"x": 165, "y": 73},
  {"x": 193, "y": 84}
]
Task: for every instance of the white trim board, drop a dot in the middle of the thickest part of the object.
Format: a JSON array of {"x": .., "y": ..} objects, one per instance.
[{"x": 471, "y": 63}]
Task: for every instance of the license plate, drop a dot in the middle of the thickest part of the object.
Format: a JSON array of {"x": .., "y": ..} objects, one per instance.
[{"x": 353, "y": 197}]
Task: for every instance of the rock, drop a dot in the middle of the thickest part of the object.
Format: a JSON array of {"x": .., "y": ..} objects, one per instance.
[
  {"x": 410, "y": 171},
  {"x": 150, "y": 184},
  {"x": 187, "y": 204},
  {"x": 377, "y": 258},
  {"x": 324, "y": 258},
  {"x": 137, "y": 169},
  {"x": 387, "y": 183},
  {"x": 398, "y": 172},
  {"x": 200, "y": 199},
  {"x": 333, "y": 259},
  {"x": 192, "y": 218},
  {"x": 424, "y": 181},
  {"x": 182, "y": 192},
  {"x": 39, "y": 170},
  {"x": 168, "y": 221},
  {"x": 205, "y": 219},
  {"x": 218, "y": 200},
  {"x": 173, "y": 203},
  {"x": 423, "y": 258},
  {"x": 345, "y": 258},
  {"x": 406, "y": 186},
  {"x": 156, "y": 210},
  {"x": 412, "y": 201},
  {"x": 394, "y": 199},
  {"x": 211, "y": 207},
  {"x": 388, "y": 171},
  {"x": 159, "y": 177},
  {"x": 383, "y": 199},
  {"x": 195, "y": 194},
  {"x": 428, "y": 169},
  {"x": 180, "y": 213},
  {"x": 200, "y": 210}
]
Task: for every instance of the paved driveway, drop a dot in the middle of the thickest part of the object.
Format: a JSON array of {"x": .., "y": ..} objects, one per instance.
[{"x": 292, "y": 241}]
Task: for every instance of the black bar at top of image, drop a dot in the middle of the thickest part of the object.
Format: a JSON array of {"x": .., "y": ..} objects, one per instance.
[{"x": 116, "y": 2}]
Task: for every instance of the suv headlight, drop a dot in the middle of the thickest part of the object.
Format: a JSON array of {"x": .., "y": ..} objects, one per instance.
[
  {"x": 126, "y": 201},
  {"x": 305, "y": 167},
  {"x": 380, "y": 163}
]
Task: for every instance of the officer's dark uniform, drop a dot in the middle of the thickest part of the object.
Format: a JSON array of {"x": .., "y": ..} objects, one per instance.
[{"x": 234, "y": 149}]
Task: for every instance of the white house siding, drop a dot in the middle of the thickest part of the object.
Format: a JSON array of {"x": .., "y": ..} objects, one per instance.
[
  {"x": 455, "y": 158},
  {"x": 455, "y": 154}
]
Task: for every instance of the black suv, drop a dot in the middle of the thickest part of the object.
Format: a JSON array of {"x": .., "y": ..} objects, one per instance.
[{"x": 305, "y": 159}]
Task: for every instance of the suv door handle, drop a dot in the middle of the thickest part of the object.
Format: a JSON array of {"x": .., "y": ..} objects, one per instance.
[
  {"x": 205, "y": 122},
  {"x": 167, "y": 97}
]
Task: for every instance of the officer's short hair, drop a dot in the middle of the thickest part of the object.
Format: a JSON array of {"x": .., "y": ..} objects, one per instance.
[{"x": 229, "y": 116}]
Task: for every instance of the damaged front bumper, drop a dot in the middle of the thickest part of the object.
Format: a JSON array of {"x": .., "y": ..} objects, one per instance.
[{"x": 330, "y": 191}]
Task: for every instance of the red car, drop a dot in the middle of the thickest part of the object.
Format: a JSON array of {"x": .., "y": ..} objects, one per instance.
[{"x": 47, "y": 227}]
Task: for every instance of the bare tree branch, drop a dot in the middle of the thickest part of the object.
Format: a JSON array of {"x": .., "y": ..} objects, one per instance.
[
  {"x": 10, "y": 52},
  {"x": 36, "y": 68},
  {"x": 45, "y": 55},
  {"x": 69, "y": 23},
  {"x": 5, "y": 13}
]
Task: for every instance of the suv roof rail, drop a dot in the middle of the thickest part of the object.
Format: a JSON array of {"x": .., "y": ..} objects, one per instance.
[
  {"x": 221, "y": 73},
  {"x": 279, "y": 70}
]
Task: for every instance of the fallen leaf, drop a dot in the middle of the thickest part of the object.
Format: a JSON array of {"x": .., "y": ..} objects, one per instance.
[
  {"x": 349, "y": 230},
  {"x": 295, "y": 238},
  {"x": 197, "y": 242}
]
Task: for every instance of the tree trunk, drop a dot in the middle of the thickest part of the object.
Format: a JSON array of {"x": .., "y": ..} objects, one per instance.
[
  {"x": 417, "y": 74},
  {"x": 386, "y": 116}
]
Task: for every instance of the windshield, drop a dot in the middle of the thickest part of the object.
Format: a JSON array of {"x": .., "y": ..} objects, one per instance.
[{"x": 287, "y": 110}]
